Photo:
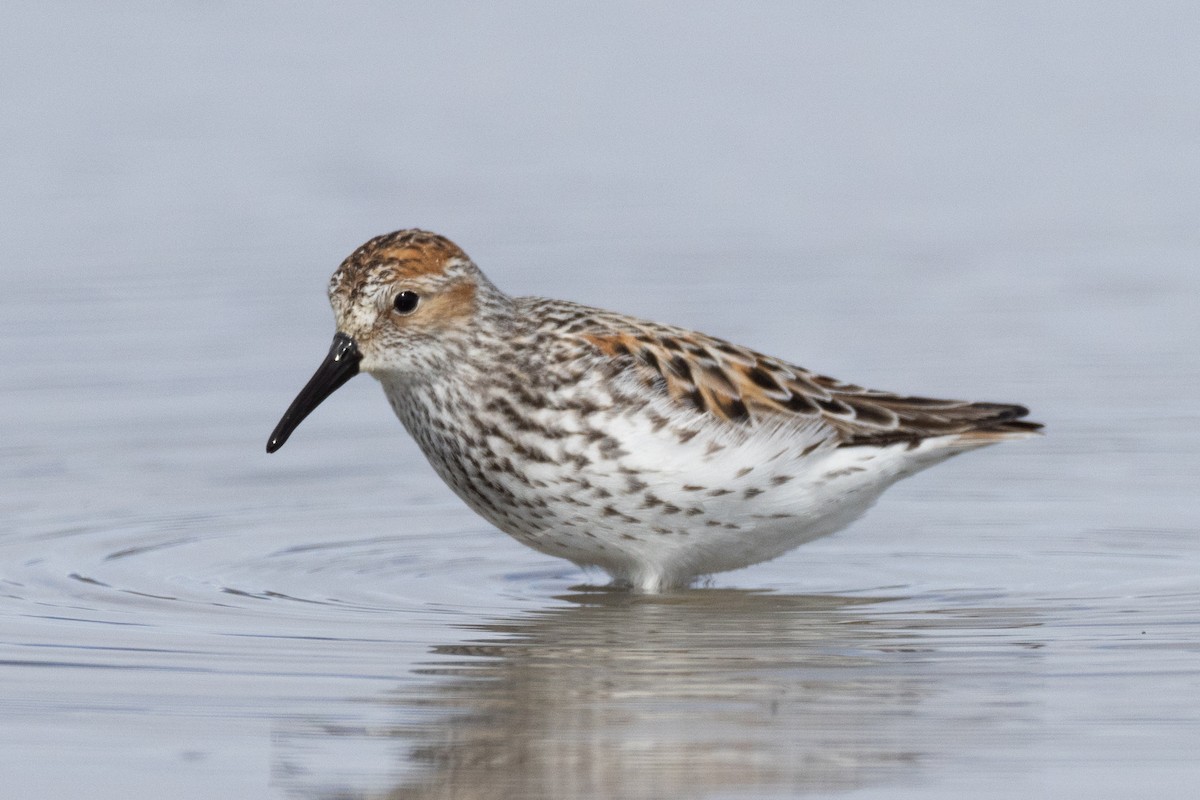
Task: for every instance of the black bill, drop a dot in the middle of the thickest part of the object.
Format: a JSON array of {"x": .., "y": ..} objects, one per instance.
[{"x": 338, "y": 367}]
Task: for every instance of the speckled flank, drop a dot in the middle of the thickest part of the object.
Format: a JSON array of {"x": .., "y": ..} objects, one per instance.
[{"x": 653, "y": 452}]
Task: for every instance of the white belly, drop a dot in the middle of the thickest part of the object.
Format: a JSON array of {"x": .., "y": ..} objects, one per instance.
[{"x": 654, "y": 505}]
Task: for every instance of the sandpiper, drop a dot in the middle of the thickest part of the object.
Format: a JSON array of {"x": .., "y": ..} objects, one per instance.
[{"x": 655, "y": 453}]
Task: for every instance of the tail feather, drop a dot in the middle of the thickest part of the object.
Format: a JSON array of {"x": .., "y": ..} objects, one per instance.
[
  {"x": 922, "y": 418},
  {"x": 1000, "y": 429}
]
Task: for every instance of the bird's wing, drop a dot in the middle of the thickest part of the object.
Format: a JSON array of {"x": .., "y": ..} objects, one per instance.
[{"x": 740, "y": 387}]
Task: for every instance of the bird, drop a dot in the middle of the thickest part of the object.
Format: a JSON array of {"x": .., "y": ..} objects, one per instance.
[{"x": 657, "y": 454}]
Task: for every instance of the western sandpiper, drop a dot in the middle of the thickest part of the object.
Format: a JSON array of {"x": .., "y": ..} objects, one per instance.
[{"x": 655, "y": 453}]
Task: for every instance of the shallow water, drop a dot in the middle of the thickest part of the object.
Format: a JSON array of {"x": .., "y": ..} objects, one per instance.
[{"x": 997, "y": 204}]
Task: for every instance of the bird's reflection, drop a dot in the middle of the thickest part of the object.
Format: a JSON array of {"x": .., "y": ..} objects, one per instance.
[
  {"x": 696, "y": 693},
  {"x": 619, "y": 695}
]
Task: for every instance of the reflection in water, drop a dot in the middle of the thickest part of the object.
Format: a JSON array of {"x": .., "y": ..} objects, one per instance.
[{"x": 628, "y": 696}]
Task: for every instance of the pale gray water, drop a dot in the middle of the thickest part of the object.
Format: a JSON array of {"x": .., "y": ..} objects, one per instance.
[{"x": 998, "y": 203}]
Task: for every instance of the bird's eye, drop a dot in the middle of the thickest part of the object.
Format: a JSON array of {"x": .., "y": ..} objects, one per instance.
[{"x": 406, "y": 302}]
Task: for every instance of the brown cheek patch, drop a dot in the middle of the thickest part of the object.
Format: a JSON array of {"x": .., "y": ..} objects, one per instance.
[
  {"x": 459, "y": 300},
  {"x": 457, "y": 303}
]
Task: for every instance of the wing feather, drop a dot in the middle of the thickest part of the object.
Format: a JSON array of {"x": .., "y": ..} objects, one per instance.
[{"x": 741, "y": 387}]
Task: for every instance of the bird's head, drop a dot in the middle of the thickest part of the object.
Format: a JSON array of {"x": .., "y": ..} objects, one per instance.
[{"x": 405, "y": 303}]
